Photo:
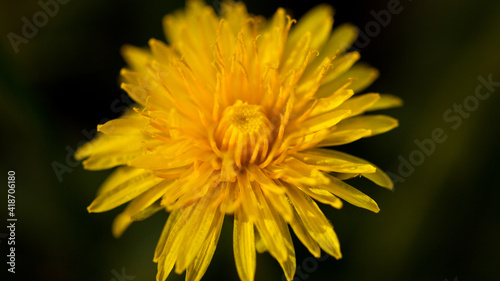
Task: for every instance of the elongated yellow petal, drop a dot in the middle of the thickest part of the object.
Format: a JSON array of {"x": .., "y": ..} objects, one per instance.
[
  {"x": 232, "y": 198},
  {"x": 123, "y": 192},
  {"x": 159, "y": 162},
  {"x": 332, "y": 102},
  {"x": 340, "y": 65},
  {"x": 377, "y": 124},
  {"x": 248, "y": 200},
  {"x": 386, "y": 101},
  {"x": 269, "y": 229},
  {"x": 122, "y": 126},
  {"x": 260, "y": 247},
  {"x": 119, "y": 176},
  {"x": 322, "y": 196},
  {"x": 191, "y": 187},
  {"x": 171, "y": 221},
  {"x": 322, "y": 160},
  {"x": 244, "y": 246},
  {"x": 341, "y": 39},
  {"x": 318, "y": 21},
  {"x": 300, "y": 230},
  {"x": 139, "y": 205},
  {"x": 361, "y": 74},
  {"x": 297, "y": 172},
  {"x": 167, "y": 254},
  {"x": 315, "y": 222},
  {"x": 325, "y": 120},
  {"x": 197, "y": 269},
  {"x": 351, "y": 194},
  {"x": 105, "y": 152},
  {"x": 339, "y": 137},
  {"x": 298, "y": 54},
  {"x": 379, "y": 177},
  {"x": 162, "y": 52},
  {"x": 137, "y": 58},
  {"x": 280, "y": 203},
  {"x": 235, "y": 13},
  {"x": 289, "y": 264},
  {"x": 147, "y": 212},
  {"x": 264, "y": 180},
  {"x": 202, "y": 222},
  {"x": 359, "y": 104}
]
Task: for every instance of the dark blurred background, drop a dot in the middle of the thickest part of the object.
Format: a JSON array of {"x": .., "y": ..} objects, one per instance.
[{"x": 441, "y": 222}]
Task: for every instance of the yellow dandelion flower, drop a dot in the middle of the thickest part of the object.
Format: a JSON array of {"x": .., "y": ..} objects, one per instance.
[{"x": 232, "y": 117}]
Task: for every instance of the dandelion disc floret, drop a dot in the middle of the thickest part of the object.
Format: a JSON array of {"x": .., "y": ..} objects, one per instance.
[
  {"x": 233, "y": 118},
  {"x": 245, "y": 131}
]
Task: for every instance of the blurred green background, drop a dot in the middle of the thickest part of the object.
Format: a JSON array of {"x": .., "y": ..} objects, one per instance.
[{"x": 441, "y": 222}]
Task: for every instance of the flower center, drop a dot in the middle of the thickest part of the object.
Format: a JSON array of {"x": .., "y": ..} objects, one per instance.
[
  {"x": 247, "y": 118},
  {"x": 245, "y": 132}
]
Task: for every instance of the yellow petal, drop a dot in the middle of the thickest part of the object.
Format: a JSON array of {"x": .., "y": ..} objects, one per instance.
[
  {"x": 173, "y": 156},
  {"x": 300, "y": 230},
  {"x": 332, "y": 102},
  {"x": 175, "y": 24},
  {"x": 297, "y": 55},
  {"x": 386, "y": 101},
  {"x": 280, "y": 203},
  {"x": 260, "y": 247},
  {"x": 324, "y": 121},
  {"x": 168, "y": 246},
  {"x": 322, "y": 196},
  {"x": 361, "y": 74},
  {"x": 264, "y": 180},
  {"x": 138, "y": 93},
  {"x": 377, "y": 124},
  {"x": 197, "y": 269},
  {"x": 359, "y": 104},
  {"x": 138, "y": 206},
  {"x": 119, "y": 176},
  {"x": 147, "y": 212},
  {"x": 289, "y": 264},
  {"x": 272, "y": 42},
  {"x": 171, "y": 221},
  {"x": 137, "y": 58},
  {"x": 123, "y": 192},
  {"x": 123, "y": 126},
  {"x": 315, "y": 222},
  {"x": 317, "y": 21},
  {"x": 232, "y": 198},
  {"x": 379, "y": 177},
  {"x": 235, "y": 13},
  {"x": 338, "y": 137},
  {"x": 190, "y": 187},
  {"x": 268, "y": 228},
  {"x": 341, "y": 39},
  {"x": 203, "y": 221},
  {"x": 351, "y": 194},
  {"x": 162, "y": 52},
  {"x": 244, "y": 246},
  {"x": 297, "y": 172},
  {"x": 323, "y": 160},
  {"x": 105, "y": 152},
  {"x": 248, "y": 200},
  {"x": 340, "y": 65}
]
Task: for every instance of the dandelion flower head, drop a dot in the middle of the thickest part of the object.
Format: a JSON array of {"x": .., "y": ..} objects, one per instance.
[{"x": 233, "y": 117}]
